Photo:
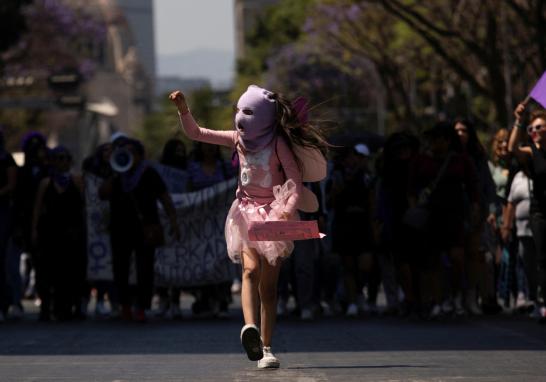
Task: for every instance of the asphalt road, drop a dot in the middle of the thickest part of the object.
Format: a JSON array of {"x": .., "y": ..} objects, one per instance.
[{"x": 503, "y": 348}]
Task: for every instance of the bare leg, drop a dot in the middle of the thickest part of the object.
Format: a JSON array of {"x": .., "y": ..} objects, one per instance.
[
  {"x": 250, "y": 283},
  {"x": 268, "y": 296}
]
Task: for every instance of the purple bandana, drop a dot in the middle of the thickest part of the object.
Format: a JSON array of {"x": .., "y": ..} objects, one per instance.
[{"x": 255, "y": 118}]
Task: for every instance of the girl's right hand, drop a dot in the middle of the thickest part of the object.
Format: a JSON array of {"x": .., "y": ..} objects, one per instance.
[
  {"x": 178, "y": 98},
  {"x": 519, "y": 110}
]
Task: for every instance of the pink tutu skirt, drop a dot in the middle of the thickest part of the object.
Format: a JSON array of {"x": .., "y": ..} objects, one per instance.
[{"x": 243, "y": 211}]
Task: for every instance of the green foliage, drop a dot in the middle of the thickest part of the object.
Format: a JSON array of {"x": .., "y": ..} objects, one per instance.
[
  {"x": 160, "y": 126},
  {"x": 210, "y": 109}
]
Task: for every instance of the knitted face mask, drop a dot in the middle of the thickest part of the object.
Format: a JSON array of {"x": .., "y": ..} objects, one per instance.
[{"x": 255, "y": 118}]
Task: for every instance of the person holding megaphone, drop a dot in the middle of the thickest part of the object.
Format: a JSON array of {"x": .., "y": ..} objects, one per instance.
[{"x": 133, "y": 192}]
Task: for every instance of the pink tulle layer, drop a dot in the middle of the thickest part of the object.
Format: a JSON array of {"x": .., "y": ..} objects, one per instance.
[{"x": 244, "y": 211}]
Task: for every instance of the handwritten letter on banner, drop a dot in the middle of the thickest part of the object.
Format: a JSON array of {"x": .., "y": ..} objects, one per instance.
[{"x": 199, "y": 258}]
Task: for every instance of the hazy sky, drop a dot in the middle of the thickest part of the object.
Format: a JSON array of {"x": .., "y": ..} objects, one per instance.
[{"x": 186, "y": 25}]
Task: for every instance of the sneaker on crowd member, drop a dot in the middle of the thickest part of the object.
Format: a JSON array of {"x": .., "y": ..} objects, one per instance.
[
  {"x": 458, "y": 302},
  {"x": 236, "y": 286},
  {"x": 16, "y": 312},
  {"x": 269, "y": 361},
  {"x": 542, "y": 315},
  {"x": 435, "y": 312},
  {"x": 447, "y": 307},
  {"x": 472, "y": 304},
  {"x": 352, "y": 310},
  {"x": 307, "y": 315},
  {"x": 521, "y": 301}
]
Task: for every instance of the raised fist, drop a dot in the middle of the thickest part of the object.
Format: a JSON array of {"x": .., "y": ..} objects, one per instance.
[{"x": 177, "y": 97}]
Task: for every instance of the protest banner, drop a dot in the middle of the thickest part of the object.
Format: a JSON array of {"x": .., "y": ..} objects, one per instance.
[
  {"x": 99, "y": 252},
  {"x": 174, "y": 178},
  {"x": 199, "y": 258}
]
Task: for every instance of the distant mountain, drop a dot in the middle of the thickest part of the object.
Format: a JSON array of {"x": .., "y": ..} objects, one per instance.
[{"x": 218, "y": 66}]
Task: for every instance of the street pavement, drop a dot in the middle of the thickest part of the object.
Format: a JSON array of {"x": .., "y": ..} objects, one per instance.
[{"x": 502, "y": 348}]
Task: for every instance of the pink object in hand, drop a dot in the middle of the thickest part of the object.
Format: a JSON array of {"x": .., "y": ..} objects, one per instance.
[{"x": 280, "y": 230}]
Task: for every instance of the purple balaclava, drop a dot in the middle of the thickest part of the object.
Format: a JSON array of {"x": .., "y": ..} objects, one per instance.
[{"x": 255, "y": 118}]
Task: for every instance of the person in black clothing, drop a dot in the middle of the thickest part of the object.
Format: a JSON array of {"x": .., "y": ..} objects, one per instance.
[
  {"x": 536, "y": 155},
  {"x": 8, "y": 176},
  {"x": 134, "y": 216},
  {"x": 474, "y": 258},
  {"x": 58, "y": 231},
  {"x": 350, "y": 197},
  {"x": 174, "y": 155},
  {"x": 392, "y": 202},
  {"x": 29, "y": 177},
  {"x": 449, "y": 178}
]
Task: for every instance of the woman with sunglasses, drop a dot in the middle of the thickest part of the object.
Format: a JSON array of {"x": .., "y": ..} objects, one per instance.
[{"x": 536, "y": 156}]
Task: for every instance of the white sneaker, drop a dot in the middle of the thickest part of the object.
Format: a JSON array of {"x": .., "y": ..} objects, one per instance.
[
  {"x": 251, "y": 341},
  {"x": 447, "y": 307},
  {"x": 306, "y": 315},
  {"x": 521, "y": 301},
  {"x": 459, "y": 309},
  {"x": 269, "y": 361},
  {"x": 352, "y": 310},
  {"x": 473, "y": 308},
  {"x": 236, "y": 286},
  {"x": 435, "y": 312},
  {"x": 471, "y": 301}
]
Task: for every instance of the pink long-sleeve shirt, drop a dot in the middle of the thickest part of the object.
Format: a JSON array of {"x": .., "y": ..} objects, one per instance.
[{"x": 260, "y": 171}]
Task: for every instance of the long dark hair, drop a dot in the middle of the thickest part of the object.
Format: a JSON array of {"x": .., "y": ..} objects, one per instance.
[
  {"x": 297, "y": 132},
  {"x": 474, "y": 146},
  {"x": 169, "y": 157}
]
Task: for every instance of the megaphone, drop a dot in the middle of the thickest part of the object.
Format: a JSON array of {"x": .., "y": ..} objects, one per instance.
[{"x": 121, "y": 160}]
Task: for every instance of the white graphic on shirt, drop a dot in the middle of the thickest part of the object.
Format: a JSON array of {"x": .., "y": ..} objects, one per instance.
[{"x": 256, "y": 160}]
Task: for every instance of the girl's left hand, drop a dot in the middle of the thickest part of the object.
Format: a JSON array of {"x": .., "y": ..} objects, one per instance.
[{"x": 284, "y": 216}]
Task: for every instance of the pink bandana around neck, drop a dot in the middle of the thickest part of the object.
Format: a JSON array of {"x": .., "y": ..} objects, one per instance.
[{"x": 256, "y": 118}]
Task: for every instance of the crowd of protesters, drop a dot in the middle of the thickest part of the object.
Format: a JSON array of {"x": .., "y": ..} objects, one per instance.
[{"x": 442, "y": 224}]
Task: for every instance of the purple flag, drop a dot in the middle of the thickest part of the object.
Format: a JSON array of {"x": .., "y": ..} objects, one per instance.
[{"x": 539, "y": 91}]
